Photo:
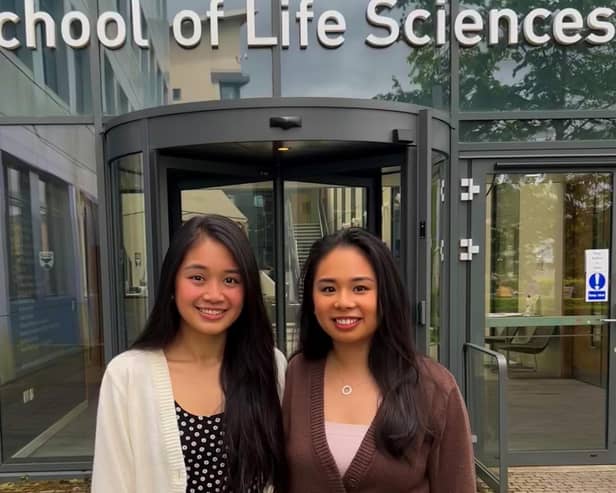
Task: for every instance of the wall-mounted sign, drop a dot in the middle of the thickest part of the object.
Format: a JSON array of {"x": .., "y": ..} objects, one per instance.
[
  {"x": 46, "y": 259},
  {"x": 597, "y": 275},
  {"x": 539, "y": 26}
]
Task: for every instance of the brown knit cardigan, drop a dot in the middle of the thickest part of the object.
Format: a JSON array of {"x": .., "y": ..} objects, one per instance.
[{"x": 442, "y": 462}]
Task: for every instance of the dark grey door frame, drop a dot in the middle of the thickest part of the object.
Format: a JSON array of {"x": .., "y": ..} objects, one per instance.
[
  {"x": 202, "y": 173},
  {"x": 322, "y": 119},
  {"x": 480, "y": 168}
]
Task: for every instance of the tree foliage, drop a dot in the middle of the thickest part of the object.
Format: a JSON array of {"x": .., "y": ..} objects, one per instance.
[{"x": 523, "y": 77}]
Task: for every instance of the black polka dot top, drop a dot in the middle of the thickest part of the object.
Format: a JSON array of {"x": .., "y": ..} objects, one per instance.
[{"x": 205, "y": 457}]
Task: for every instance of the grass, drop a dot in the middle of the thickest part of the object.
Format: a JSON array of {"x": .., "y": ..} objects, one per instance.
[{"x": 58, "y": 486}]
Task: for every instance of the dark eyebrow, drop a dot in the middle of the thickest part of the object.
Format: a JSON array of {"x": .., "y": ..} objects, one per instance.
[
  {"x": 203, "y": 267},
  {"x": 354, "y": 279},
  {"x": 364, "y": 278}
]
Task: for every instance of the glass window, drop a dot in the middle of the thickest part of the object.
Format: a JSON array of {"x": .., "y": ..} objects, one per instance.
[
  {"x": 537, "y": 313},
  {"x": 54, "y": 232},
  {"x": 122, "y": 101},
  {"x": 51, "y": 352},
  {"x": 314, "y": 209},
  {"x": 55, "y": 61},
  {"x": 83, "y": 89},
  {"x": 44, "y": 81},
  {"x": 196, "y": 72},
  {"x": 437, "y": 256},
  {"x": 21, "y": 248},
  {"x": 17, "y": 30},
  {"x": 537, "y": 130},
  {"x": 251, "y": 206},
  {"x": 525, "y": 77},
  {"x": 229, "y": 90},
  {"x": 390, "y": 209},
  {"x": 357, "y": 70},
  {"x": 133, "y": 254},
  {"x": 109, "y": 101}
]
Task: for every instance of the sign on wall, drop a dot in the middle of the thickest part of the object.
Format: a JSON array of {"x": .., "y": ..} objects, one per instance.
[
  {"x": 537, "y": 27},
  {"x": 597, "y": 275}
]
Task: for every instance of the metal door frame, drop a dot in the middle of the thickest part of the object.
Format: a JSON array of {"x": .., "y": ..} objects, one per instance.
[
  {"x": 203, "y": 173},
  {"x": 420, "y": 130},
  {"x": 479, "y": 168}
]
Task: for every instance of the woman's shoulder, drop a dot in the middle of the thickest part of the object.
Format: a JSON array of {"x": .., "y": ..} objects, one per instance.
[
  {"x": 298, "y": 361},
  {"x": 435, "y": 377},
  {"x": 299, "y": 366},
  {"x": 134, "y": 361}
]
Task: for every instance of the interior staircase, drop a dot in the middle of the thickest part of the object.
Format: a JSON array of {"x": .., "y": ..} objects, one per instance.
[{"x": 305, "y": 235}]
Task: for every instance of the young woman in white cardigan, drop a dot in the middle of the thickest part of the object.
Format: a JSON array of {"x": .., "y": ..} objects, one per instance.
[{"x": 194, "y": 405}]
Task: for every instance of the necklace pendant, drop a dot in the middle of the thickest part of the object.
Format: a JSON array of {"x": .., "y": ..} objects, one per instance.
[{"x": 346, "y": 390}]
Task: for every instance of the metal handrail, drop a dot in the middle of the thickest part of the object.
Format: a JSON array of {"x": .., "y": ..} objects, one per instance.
[
  {"x": 293, "y": 278},
  {"x": 500, "y": 483}
]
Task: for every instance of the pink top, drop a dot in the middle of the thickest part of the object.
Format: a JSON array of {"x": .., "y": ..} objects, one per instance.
[{"x": 344, "y": 441}]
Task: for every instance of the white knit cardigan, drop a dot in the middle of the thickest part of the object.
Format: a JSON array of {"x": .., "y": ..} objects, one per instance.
[{"x": 137, "y": 447}]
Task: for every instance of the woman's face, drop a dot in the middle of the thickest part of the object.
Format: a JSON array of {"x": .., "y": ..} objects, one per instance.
[
  {"x": 345, "y": 296},
  {"x": 209, "y": 291}
]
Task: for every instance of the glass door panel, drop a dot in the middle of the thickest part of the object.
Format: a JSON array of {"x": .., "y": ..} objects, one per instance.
[
  {"x": 315, "y": 200},
  {"x": 538, "y": 228},
  {"x": 133, "y": 251},
  {"x": 322, "y": 206},
  {"x": 437, "y": 257},
  {"x": 391, "y": 197},
  {"x": 313, "y": 210}
]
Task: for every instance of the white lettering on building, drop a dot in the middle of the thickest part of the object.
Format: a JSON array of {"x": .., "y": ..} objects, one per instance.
[{"x": 418, "y": 28}]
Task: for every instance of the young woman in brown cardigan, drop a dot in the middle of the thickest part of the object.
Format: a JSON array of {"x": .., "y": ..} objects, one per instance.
[{"x": 363, "y": 411}]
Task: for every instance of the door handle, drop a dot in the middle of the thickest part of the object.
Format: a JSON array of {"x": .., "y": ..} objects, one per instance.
[{"x": 608, "y": 320}]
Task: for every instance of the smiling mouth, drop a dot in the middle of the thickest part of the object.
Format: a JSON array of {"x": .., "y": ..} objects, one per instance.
[
  {"x": 346, "y": 323},
  {"x": 211, "y": 313}
]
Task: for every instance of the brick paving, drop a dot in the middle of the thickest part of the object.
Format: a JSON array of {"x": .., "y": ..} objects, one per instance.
[
  {"x": 569, "y": 479},
  {"x": 563, "y": 479}
]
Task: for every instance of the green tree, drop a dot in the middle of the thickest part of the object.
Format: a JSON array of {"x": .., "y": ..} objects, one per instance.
[{"x": 522, "y": 77}]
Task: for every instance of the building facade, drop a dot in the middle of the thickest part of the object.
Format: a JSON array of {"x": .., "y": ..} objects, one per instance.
[{"x": 482, "y": 151}]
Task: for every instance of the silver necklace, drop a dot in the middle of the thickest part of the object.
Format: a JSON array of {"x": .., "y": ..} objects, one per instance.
[{"x": 345, "y": 389}]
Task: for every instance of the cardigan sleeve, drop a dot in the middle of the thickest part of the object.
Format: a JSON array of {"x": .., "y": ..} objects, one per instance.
[
  {"x": 113, "y": 469},
  {"x": 281, "y": 369},
  {"x": 451, "y": 461}
]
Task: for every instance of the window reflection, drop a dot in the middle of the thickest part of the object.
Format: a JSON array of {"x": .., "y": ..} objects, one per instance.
[
  {"x": 538, "y": 130},
  {"x": 44, "y": 81},
  {"x": 539, "y": 227},
  {"x": 51, "y": 356},
  {"x": 313, "y": 210},
  {"x": 396, "y": 73},
  {"x": 21, "y": 248},
  {"x": 525, "y": 77},
  {"x": 251, "y": 206},
  {"x": 168, "y": 73},
  {"x": 133, "y": 255},
  {"x": 437, "y": 256}
]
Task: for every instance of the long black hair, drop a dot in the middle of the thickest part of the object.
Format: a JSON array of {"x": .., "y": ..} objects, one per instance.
[
  {"x": 252, "y": 416},
  {"x": 392, "y": 359}
]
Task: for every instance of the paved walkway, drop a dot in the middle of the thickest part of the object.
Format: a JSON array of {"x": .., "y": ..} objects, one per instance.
[
  {"x": 569, "y": 479},
  {"x": 564, "y": 479}
]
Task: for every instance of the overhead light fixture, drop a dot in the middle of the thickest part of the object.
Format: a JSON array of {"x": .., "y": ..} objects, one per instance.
[{"x": 282, "y": 149}]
